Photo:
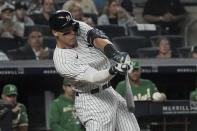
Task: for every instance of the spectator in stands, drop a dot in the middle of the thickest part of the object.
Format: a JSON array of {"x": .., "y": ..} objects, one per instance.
[
  {"x": 194, "y": 52},
  {"x": 4, "y": 4},
  {"x": 3, "y": 56},
  {"x": 193, "y": 95},
  {"x": 47, "y": 9},
  {"x": 142, "y": 89},
  {"x": 62, "y": 114},
  {"x": 34, "y": 7},
  {"x": 164, "y": 48},
  {"x": 100, "y": 4},
  {"x": 77, "y": 13},
  {"x": 166, "y": 13},
  {"x": 9, "y": 28},
  {"x": 21, "y": 16},
  {"x": 115, "y": 14},
  {"x": 128, "y": 6},
  {"x": 87, "y": 6},
  {"x": 19, "y": 113},
  {"x": 34, "y": 49}
]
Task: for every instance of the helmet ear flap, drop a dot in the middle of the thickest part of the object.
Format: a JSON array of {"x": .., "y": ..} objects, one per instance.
[
  {"x": 61, "y": 19},
  {"x": 75, "y": 26}
]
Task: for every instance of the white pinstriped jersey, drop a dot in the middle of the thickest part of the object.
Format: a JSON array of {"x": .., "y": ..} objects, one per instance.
[
  {"x": 72, "y": 63},
  {"x": 102, "y": 111}
]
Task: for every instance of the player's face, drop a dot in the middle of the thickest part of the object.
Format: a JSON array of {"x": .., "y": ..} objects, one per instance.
[
  {"x": 194, "y": 55},
  {"x": 20, "y": 13},
  {"x": 135, "y": 74},
  {"x": 9, "y": 99},
  {"x": 113, "y": 8},
  {"x": 48, "y": 6},
  {"x": 67, "y": 39},
  {"x": 77, "y": 13},
  {"x": 7, "y": 15},
  {"x": 35, "y": 39},
  {"x": 69, "y": 90},
  {"x": 164, "y": 46}
]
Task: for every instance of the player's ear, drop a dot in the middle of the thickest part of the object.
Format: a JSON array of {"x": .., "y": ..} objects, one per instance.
[
  {"x": 54, "y": 33},
  {"x": 63, "y": 87}
]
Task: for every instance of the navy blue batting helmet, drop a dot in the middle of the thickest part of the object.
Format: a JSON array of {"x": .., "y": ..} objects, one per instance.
[{"x": 62, "y": 19}]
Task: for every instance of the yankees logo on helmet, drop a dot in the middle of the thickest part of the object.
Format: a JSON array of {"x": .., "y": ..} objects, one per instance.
[{"x": 62, "y": 19}]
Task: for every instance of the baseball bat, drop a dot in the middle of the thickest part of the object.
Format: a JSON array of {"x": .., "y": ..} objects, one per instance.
[{"x": 129, "y": 95}]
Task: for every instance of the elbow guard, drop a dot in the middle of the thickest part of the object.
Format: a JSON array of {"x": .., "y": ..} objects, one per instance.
[
  {"x": 95, "y": 33},
  {"x": 115, "y": 55}
]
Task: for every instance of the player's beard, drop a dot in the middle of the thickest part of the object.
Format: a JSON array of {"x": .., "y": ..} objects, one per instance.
[{"x": 75, "y": 45}]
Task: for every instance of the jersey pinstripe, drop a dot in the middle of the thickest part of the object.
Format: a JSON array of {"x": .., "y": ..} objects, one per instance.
[
  {"x": 72, "y": 63},
  {"x": 103, "y": 111}
]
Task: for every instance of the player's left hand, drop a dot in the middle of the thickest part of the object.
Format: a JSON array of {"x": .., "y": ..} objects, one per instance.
[
  {"x": 119, "y": 69},
  {"x": 122, "y": 57}
]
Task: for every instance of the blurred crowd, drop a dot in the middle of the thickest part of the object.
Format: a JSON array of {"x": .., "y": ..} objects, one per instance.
[{"x": 25, "y": 34}]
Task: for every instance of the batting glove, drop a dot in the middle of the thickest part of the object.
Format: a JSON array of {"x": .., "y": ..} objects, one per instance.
[
  {"x": 119, "y": 69},
  {"x": 122, "y": 57}
]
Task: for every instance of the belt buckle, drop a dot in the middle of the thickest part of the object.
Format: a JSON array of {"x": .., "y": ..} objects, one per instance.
[{"x": 105, "y": 86}]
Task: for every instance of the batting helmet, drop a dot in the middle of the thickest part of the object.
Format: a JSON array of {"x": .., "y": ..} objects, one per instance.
[{"x": 62, "y": 19}]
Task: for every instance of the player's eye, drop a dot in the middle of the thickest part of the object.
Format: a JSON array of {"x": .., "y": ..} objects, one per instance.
[
  {"x": 66, "y": 33},
  {"x": 69, "y": 85}
]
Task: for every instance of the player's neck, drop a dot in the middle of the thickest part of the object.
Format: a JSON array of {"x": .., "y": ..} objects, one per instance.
[
  {"x": 136, "y": 83},
  {"x": 69, "y": 97},
  {"x": 62, "y": 46}
]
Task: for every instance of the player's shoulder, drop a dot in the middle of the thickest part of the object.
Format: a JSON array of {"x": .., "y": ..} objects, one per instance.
[
  {"x": 64, "y": 53},
  {"x": 84, "y": 26}
]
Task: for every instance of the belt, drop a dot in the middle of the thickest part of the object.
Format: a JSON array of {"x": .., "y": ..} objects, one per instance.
[{"x": 96, "y": 90}]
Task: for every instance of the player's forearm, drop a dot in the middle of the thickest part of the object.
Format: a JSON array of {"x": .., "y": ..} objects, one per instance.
[
  {"x": 101, "y": 43},
  {"x": 99, "y": 40},
  {"x": 93, "y": 76}
]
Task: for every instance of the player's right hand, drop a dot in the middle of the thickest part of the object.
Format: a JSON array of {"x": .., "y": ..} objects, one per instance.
[{"x": 119, "y": 69}]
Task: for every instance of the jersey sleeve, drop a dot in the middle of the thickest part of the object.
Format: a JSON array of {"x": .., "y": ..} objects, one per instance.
[
  {"x": 83, "y": 30},
  {"x": 68, "y": 65}
]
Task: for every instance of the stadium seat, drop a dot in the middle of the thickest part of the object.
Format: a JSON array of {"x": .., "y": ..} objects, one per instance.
[
  {"x": 184, "y": 52},
  {"x": 112, "y": 30},
  {"x": 50, "y": 42},
  {"x": 8, "y": 44},
  {"x": 92, "y": 16},
  {"x": 58, "y": 5},
  {"x": 147, "y": 52},
  {"x": 44, "y": 28},
  {"x": 146, "y": 30},
  {"x": 176, "y": 41},
  {"x": 130, "y": 44}
]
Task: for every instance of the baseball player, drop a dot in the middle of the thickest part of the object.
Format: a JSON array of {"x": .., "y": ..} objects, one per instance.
[{"x": 81, "y": 55}]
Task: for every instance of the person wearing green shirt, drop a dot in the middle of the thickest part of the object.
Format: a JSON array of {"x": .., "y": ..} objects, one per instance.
[
  {"x": 19, "y": 113},
  {"x": 62, "y": 114},
  {"x": 142, "y": 89},
  {"x": 193, "y": 95}
]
